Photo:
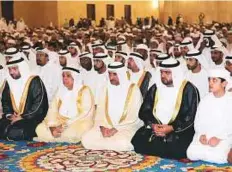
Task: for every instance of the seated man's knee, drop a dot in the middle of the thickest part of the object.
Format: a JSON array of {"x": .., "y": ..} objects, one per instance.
[
  {"x": 229, "y": 159},
  {"x": 86, "y": 142},
  {"x": 192, "y": 153},
  {"x": 15, "y": 134}
]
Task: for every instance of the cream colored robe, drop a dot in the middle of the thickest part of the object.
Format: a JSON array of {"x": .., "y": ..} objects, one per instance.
[
  {"x": 128, "y": 124},
  {"x": 74, "y": 130}
]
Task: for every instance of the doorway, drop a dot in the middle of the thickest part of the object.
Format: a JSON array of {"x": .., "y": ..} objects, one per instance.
[
  {"x": 127, "y": 13},
  {"x": 8, "y": 10}
]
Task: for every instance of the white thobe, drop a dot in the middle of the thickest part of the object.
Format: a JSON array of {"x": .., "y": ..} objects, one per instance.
[
  {"x": 154, "y": 72},
  {"x": 207, "y": 55},
  {"x": 183, "y": 64},
  {"x": 51, "y": 77},
  {"x": 100, "y": 82},
  {"x": 229, "y": 48},
  {"x": 135, "y": 77},
  {"x": 89, "y": 79},
  {"x": 200, "y": 80},
  {"x": 213, "y": 119},
  {"x": 121, "y": 141},
  {"x": 75, "y": 61},
  {"x": 220, "y": 66}
]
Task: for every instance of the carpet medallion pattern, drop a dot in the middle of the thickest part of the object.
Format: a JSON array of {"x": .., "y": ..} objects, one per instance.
[
  {"x": 59, "y": 157},
  {"x": 76, "y": 158}
]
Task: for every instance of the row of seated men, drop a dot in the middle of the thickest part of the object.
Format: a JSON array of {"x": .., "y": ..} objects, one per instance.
[{"x": 170, "y": 121}]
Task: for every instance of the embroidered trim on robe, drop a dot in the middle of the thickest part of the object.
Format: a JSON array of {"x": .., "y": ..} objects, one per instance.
[
  {"x": 19, "y": 110},
  {"x": 177, "y": 106},
  {"x": 126, "y": 105},
  {"x": 128, "y": 75},
  {"x": 3, "y": 86},
  {"x": 62, "y": 119},
  {"x": 141, "y": 79}
]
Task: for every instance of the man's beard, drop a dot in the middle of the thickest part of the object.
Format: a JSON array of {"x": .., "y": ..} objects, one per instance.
[
  {"x": 191, "y": 67},
  {"x": 74, "y": 53},
  {"x": 63, "y": 64},
  {"x": 88, "y": 67},
  {"x": 96, "y": 68},
  {"x": 177, "y": 55},
  {"x": 16, "y": 76},
  {"x": 166, "y": 82}
]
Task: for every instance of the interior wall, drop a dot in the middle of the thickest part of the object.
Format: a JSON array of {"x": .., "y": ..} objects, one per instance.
[
  {"x": 190, "y": 10},
  {"x": 36, "y": 13},
  {"x": 78, "y": 9}
]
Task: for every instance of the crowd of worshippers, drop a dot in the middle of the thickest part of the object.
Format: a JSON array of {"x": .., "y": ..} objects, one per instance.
[{"x": 163, "y": 91}]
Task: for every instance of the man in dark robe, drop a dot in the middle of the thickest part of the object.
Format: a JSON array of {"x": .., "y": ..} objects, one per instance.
[
  {"x": 24, "y": 102},
  {"x": 168, "y": 112}
]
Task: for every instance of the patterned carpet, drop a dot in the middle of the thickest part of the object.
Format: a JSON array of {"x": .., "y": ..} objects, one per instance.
[{"x": 62, "y": 157}]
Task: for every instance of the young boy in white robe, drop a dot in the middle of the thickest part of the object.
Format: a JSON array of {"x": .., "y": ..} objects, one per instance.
[{"x": 213, "y": 130}]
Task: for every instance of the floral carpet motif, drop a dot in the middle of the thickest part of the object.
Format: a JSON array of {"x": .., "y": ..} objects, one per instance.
[
  {"x": 62, "y": 157},
  {"x": 76, "y": 158}
]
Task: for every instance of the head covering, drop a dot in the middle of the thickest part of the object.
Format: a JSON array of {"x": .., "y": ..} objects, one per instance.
[
  {"x": 195, "y": 35},
  {"x": 156, "y": 51},
  {"x": 2, "y": 75},
  {"x": 161, "y": 57},
  {"x": 14, "y": 52},
  {"x": 125, "y": 47},
  {"x": 68, "y": 97},
  {"x": 171, "y": 50},
  {"x": 67, "y": 55},
  {"x": 122, "y": 37},
  {"x": 26, "y": 48},
  {"x": 74, "y": 45},
  {"x": 208, "y": 33},
  {"x": 196, "y": 54},
  {"x": 111, "y": 48},
  {"x": 17, "y": 85},
  {"x": 104, "y": 57},
  {"x": 86, "y": 54},
  {"x": 31, "y": 58},
  {"x": 99, "y": 44},
  {"x": 167, "y": 96},
  {"x": 42, "y": 50},
  {"x": 175, "y": 67},
  {"x": 121, "y": 53},
  {"x": 211, "y": 34},
  {"x": 138, "y": 58},
  {"x": 221, "y": 49},
  {"x": 117, "y": 93},
  {"x": 120, "y": 69},
  {"x": 154, "y": 40},
  {"x": 187, "y": 42},
  {"x": 142, "y": 46},
  {"x": 219, "y": 73},
  {"x": 217, "y": 48},
  {"x": 52, "y": 56},
  {"x": 229, "y": 58}
]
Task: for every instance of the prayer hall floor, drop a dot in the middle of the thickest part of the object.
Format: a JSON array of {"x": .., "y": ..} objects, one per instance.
[{"x": 62, "y": 157}]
